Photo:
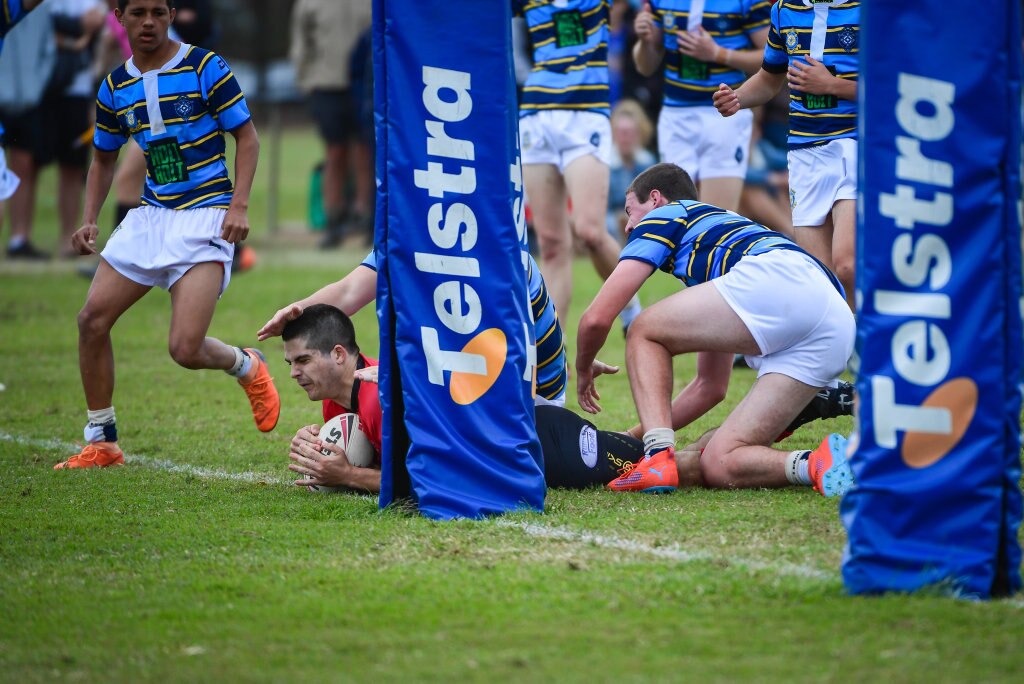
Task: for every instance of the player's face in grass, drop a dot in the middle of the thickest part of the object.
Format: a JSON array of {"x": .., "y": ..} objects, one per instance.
[
  {"x": 318, "y": 373},
  {"x": 636, "y": 210},
  {"x": 147, "y": 23}
]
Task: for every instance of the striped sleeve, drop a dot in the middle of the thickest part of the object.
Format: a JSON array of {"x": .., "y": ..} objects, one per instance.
[
  {"x": 371, "y": 260},
  {"x": 225, "y": 98},
  {"x": 759, "y": 16},
  {"x": 776, "y": 60},
  {"x": 656, "y": 238},
  {"x": 109, "y": 135}
]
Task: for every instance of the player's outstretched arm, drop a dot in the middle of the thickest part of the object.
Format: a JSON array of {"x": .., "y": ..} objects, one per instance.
[
  {"x": 597, "y": 320},
  {"x": 97, "y": 185},
  {"x": 350, "y": 294}
]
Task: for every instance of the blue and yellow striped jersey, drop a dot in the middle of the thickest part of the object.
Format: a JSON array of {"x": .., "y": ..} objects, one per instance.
[
  {"x": 197, "y": 97},
  {"x": 552, "y": 376},
  {"x": 816, "y": 119},
  {"x": 698, "y": 242},
  {"x": 551, "y": 371},
  {"x": 689, "y": 82},
  {"x": 570, "y": 55}
]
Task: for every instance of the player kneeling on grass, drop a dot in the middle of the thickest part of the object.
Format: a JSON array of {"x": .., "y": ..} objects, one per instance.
[
  {"x": 749, "y": 291},
  {"x": 176, "y": 101},
  {"x": 321, "y": 348}
]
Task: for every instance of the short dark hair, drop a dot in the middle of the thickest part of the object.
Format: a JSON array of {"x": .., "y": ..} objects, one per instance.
[
  {"x": 123, "y": 4},
  {"x": 323, "y": 326},
  {"x": 673, "y": 183}
]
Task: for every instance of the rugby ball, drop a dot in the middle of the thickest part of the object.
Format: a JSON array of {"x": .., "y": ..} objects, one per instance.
[{"x": 343, "y": 431}]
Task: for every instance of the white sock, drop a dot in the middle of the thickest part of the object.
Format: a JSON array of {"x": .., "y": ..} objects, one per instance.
[
  {"x": 798, "y": 470},
  {"x": 657, "y": 439},
  {"x": 631, "y": 311},
  {"x": 242, "y": 365},
  {"x": 101, "y": 427}
]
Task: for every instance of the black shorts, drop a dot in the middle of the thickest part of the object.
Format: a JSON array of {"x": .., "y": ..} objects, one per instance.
[
  {"x": 577, "y": 455},
  {"x": 335, "y": 115},
  {"x": 56, "y": 130}
]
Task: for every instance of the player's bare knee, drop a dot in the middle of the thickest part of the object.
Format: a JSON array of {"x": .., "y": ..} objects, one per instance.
[
  {"x": 186, "y": 353},
  {"x": 91, "y": 324},
  {"x": 717, "y": 467}
]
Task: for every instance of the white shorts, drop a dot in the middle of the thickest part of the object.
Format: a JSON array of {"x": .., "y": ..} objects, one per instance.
[
  {"x": 797, "y": 317},
  {"x": 561, "y": 136},
  {"x": 8, "y": 181},
  {"x": 705, "y": 143},
  {"x": 818, "y": 177},
  {"x": 155, "y": 246}
]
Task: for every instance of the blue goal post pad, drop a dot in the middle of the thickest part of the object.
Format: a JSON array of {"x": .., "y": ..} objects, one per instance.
[
  {"x": 457, "y": 341},
  {"x": 937, "y": 458}
]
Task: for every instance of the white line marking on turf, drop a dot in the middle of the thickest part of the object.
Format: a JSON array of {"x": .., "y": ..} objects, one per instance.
[
  {"x": 155, "y": 463},
  {"x": 672, "y": 552}
]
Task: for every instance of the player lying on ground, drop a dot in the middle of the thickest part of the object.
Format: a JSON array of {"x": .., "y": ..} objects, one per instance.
[
  {"x": 176, "y": 101},
  {"x": 749, "y": 291},
  {"x": 359, "y": 288},
  {"x": 321, "y": 348}
]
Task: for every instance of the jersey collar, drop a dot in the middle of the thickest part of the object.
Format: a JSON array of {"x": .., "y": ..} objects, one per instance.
[{"x": 178, "y": 56}]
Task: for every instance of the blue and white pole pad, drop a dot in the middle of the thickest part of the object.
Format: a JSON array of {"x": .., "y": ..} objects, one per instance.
[
  {"x": 937, "y": 502},
  {"x": 457, "y": 347}
]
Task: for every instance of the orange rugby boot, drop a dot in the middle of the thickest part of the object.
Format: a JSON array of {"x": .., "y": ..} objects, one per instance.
[
  {"x": 95, "y": 455},
  {"x": 259, "y": 387},
  {"x": 655, "y": 474},
  {"x": 828, "y": 467}
]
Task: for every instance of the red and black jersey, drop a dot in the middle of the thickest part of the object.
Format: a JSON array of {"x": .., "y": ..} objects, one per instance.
[{"x": 365, "y": 403}]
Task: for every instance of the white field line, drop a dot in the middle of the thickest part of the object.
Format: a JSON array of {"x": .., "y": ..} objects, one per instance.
[
  {"x": 148, "y": 462},
  {"x": 672, "y": 553}
]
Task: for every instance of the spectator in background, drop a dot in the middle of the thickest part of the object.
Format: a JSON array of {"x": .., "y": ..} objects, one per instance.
[
  {"x": 323, "y": 35},
  {"x": 58, "y": 128},
  {"x": 361, "y": 78},
  {"x": 631, "y": 135},
  {"x": 194, "y": 23},
  {"x": 11, "y": 12}
]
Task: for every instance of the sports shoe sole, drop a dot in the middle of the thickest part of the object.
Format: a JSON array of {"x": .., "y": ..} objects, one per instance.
[{"x": 838, "y": 479}]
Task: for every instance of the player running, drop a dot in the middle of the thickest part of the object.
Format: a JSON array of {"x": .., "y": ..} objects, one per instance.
[{"x": 176, "y": 101}]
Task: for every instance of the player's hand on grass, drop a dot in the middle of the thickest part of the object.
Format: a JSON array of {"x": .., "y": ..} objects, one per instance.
[
  {"x": 697, "y": 44},
  {"x": 367, "y": 374},
  {"x": 83, "y": 240},
  {"x": 645, "y": 27},
  {"x": 726, "y": 101},
  {"x": 811, "y": 77},
  {"x": 586, "y": 388},
  {"x": 275, "y": 326},
  {"x": 236, "y": 225},
  {"x": 317, "y": 468}
]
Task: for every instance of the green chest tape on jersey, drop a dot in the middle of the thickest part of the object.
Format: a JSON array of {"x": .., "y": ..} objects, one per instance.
[
  {"x": 691, "y": 69},
  {"x": 569, "y": 29},
  {"x": 165, "y": 162},
  {"x": 813, "y": 102}
]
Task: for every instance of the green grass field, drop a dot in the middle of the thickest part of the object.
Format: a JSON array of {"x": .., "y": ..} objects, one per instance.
[{"x": 199, "y": 562}]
